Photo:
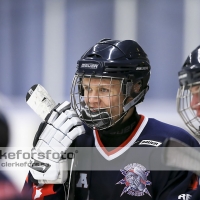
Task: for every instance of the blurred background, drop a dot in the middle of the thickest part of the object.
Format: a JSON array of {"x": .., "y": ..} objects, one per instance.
[{"x": 41, "y": 41}]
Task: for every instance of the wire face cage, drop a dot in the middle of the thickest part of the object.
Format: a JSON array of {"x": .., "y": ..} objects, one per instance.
[
  {"x": 188, "y": 107},
  {"x": 98, "y": 100}
]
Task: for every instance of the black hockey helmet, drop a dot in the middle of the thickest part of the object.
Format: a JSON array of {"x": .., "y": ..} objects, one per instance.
[
  {"x": 189, "y": 76},
  {"x": 124, "y": 60},
  {"x": 190, "y": 72},
  {"x": 114, "y": 58}
]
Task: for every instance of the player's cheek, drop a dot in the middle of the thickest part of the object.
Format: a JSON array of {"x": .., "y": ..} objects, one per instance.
[
  {"x": 198, "y": 112},
  {"x": 194, "y": 101},
  {"x": 86, "y": 99}
]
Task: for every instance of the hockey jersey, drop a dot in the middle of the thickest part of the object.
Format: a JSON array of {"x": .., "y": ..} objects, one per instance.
[{"x": 128, "y": 171}]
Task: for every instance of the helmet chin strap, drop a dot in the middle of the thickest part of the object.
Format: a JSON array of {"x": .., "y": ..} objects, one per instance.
[
  {"x": 135, "y": 100},
  {"x": 99, "y": 119}
]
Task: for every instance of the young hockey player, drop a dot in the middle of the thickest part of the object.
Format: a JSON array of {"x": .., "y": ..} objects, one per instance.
[
  {"x": 110, "y": 80},
  {"x": 188, "y": 96}
]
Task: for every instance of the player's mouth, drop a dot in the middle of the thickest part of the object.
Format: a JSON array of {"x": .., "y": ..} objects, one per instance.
[
  {"x": 96, "y": 117},
  {"x": 94, "y": 109}
]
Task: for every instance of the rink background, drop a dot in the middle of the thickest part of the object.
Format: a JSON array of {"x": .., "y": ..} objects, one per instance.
[{"x": 41, "y": 41}]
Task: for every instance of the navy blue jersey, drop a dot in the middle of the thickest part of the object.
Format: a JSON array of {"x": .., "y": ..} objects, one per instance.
[
  {"x": 133, "y": 179},
  {"x": 196, "y": 195}
]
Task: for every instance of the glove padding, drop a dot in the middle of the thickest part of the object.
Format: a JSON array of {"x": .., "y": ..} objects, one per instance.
[
  {"x": 46, "y": 171},
  {"x": 52, "y": 139}
]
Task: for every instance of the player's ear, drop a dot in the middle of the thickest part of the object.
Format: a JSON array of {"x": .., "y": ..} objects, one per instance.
[{"x": 137, "y": 87}]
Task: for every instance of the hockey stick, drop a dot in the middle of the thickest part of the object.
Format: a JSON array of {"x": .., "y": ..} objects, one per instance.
[
  {"x": 39, "y": 100},
  {"x": 179, "y": 155}
]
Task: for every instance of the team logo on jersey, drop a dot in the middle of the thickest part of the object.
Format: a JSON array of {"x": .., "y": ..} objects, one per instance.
[{"x": 135, "y": 180}]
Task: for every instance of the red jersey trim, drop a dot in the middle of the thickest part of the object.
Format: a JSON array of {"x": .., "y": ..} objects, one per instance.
[
  {"x": 194, "y": 182},
  {"x": 40, "y": 192}
]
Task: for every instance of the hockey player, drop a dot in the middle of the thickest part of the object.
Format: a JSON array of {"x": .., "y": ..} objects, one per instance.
[
  {"x": 110, "y": 80},
  {"x": 188, "y": 96}
]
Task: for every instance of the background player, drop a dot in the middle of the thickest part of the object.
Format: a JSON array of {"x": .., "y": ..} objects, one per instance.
[
  {"x": 111, "y": 79},
  {"x": 188, "y": 96}
]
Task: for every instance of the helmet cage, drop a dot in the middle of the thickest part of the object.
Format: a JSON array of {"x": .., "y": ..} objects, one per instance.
[
  {"x": 188, "y": 115},
  {"x": 111, "y": 59},
  {"x": 102, "y": 118}
]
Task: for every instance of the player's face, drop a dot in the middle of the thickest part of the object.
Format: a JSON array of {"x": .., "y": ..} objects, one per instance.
[
  {"x": 105, "y": 94},
  {"x": 195, "y": 99}
]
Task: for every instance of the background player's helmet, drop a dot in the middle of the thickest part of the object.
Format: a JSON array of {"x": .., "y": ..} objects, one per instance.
[
  {"x": 111, "y": 59},
  {"x": 189, "y": 76}
]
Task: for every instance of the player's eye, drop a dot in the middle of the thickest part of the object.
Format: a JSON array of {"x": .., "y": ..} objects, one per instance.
[
  {"x": 104, "y": 90},
  {"x": 86, "y": 88}
]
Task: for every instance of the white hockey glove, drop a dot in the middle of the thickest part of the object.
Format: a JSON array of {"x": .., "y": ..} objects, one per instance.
[{"x": 52, "y": 139}]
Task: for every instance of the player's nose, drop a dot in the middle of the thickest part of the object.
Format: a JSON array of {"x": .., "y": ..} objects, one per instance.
[
  {"x": 94, "y": 96},
  {"x": 93, "y": 99}
]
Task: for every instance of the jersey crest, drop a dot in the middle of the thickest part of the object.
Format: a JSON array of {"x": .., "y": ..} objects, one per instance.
[{"x": 135, "y": 180}]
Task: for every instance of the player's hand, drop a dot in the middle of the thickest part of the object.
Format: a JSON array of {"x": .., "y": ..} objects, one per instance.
[
  {"x": 45, "y": 171},
  {"x": 51, "y": 141}
]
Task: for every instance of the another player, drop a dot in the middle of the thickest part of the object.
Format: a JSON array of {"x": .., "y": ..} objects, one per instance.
[
  {"x": 188, "y": 96},
  {"x": 111, "y": 79}
]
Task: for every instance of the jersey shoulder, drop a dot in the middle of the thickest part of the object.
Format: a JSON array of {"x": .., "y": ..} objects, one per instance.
[{"x": 161, "y": 130}]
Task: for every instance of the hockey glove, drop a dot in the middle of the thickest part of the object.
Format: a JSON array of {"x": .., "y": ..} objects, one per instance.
[{"x": 52, "y": 139}]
